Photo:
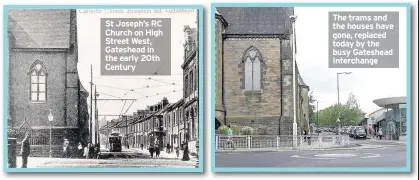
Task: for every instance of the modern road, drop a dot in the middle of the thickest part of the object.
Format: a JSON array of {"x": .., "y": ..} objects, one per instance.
[{"x": 390, "y": 154}]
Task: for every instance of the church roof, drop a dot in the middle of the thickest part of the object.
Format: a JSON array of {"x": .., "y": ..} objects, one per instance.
[
  {"x": 257, "y": 20},
  {"x": 39, "y": 28}
]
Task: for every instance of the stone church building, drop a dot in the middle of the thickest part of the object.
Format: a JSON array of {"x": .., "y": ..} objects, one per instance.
[
  {"x": 253, "y": 71},
  {"x": 43, "y": 79}
]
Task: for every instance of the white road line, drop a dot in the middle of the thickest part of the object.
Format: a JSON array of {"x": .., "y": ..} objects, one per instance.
[
  {"x": 371, "y": 156},
  {"x": 297, "y": 156}
]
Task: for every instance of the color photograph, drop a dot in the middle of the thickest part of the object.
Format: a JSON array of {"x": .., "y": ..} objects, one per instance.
[{"x": 290, "y": 100}]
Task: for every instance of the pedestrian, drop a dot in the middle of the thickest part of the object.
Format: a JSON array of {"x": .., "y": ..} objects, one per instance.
[
  {"x": 66, "y": 145},
  {"x": 185, "y": 152},
  {"x": 157, "y": 149},
  {"x": 177, "y": 149},
  {"x": 380, "y": 133},
  {"x": 141, "y": 146},
  {"x": 230, "y": 137},
  {"x": 168, "y": 148},
  {"x": 25, "y": 150},
  {"x": 97, "y": 150},
  {"x": 370, "y": 131},
  {"x": 151, "y": 150},
  {"x": 91, "y": 151},
  {"x": 80, "y": 150}
]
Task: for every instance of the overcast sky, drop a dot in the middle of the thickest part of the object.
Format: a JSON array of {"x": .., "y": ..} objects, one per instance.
[
  {"x": 120, "y": 86},
  {"x": 366, "y": 84}
]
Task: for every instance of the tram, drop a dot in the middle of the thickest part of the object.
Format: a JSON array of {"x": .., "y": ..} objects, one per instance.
[{"x": 115, "y": 144}]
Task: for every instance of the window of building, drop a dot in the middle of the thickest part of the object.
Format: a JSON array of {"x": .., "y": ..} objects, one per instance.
[
  {"x": 252, "y": 70},
  {"x": 186, "y": 85},
  {"x": 38, "y": 82},
  {"x": 191, "y": 84}
]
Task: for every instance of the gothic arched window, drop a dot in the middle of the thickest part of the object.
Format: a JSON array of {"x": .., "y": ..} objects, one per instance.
[
  {"x": 38, "y": 82},
  {"x": 252, "y": 70}
]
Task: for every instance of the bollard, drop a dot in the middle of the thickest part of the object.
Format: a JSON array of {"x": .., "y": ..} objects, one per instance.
[
  {"x": 11, "y": 147},
  {"x": 248, "y": 142},
  {"x": 277, "y": 142}
]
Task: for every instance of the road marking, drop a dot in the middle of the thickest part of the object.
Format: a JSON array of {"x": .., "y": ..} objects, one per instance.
[
  {"x": 297, "y": 156},
  {"x": 335, "y": 155},
  {"x": 371, "y": 155}
]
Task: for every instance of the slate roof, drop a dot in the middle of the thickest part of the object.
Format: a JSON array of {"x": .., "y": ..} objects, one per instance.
[
  {"x": 39, "y": 28},
  {"x": 257, "y": 20}
]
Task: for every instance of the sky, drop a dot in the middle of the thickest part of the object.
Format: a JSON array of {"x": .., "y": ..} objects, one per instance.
[
  {"x": 366, "y": 84},
  {"x": 116, "y": 87}
]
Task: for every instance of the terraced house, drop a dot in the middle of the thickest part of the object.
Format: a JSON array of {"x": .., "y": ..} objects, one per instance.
[
  {"x": 163, "y": 121},
  {"x": 254, "y": 71}
]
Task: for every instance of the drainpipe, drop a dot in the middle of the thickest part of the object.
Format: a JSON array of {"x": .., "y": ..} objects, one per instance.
[
  {"x": 281, "y": 87},
  {"x": 222, "y": 79}
]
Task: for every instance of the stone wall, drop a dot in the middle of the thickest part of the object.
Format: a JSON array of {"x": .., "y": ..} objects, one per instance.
[{"x": 255, "y": 109}]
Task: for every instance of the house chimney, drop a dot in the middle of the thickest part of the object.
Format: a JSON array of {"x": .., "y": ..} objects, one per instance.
[{"x": 165, "y": 102}]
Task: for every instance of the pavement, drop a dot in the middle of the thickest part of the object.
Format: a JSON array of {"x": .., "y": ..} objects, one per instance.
[
  {"x": 128, "y": 158},
  {"x": 363, "y": 153}
]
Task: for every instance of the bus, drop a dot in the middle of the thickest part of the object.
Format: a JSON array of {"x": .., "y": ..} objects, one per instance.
[{"x": 115, "y": 142}]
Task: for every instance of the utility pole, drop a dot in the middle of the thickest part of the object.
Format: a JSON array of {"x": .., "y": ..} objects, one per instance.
[
  {"x": 91, "y": 110},
  {"x": 96, "y": 119}
]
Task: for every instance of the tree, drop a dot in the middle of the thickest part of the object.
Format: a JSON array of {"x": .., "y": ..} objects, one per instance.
[
  {"x": 311, "y": 108},
  {"x": 348, "y": 114}
]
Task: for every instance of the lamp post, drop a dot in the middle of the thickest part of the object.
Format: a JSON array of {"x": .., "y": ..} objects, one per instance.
[
  {"x": 50, "y": 118},
  {"x": 294, "y": 124},
  {"x": 337, "y": 75},
  {"x": 317, "y": 109}
]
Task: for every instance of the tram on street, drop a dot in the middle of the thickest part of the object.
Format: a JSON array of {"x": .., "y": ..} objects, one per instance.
[{"x": 115, "y": 144}]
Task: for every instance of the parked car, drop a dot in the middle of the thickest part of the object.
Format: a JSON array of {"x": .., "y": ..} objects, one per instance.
[{"x": 360, "y": 133}]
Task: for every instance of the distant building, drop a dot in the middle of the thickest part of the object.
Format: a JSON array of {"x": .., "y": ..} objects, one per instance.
[
  {"x": 254, "y": 73},
  {"x": 190, "y": 87},
  {"x": 43, "y": 78}
]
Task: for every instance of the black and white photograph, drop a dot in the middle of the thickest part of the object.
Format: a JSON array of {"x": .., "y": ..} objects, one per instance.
[
  {"x": 280, "y": 103},
  {"x": 103, "y": 88}
]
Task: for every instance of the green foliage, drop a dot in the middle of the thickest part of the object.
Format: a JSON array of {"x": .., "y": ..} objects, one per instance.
[
  {"x": 311, "y": 108},
  {"x": 246, "y": 130},
  {"x": 223, "y": 129},
  {"x": 348, "y": 114},
  {"x": 236, "y": 129}
]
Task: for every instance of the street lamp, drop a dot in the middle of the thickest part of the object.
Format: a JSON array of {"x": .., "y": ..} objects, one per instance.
[
  {"x": 50, "y": 118},
  {"x": 294, "y": 124},
  {"x": 317, "y": 108},
  {"x": 338, "y": 82}
]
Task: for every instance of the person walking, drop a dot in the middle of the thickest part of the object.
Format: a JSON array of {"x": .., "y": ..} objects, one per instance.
[
  {"x": 80, "y": 150},
  {"x": 25, "y": 150},
  {"x": 230, "y": 137},
  {"x": 157, "y": 148},
  {"x": 168, "y": 148},
  {"x": 66, "y": 145},
  {"x": 380, "y": 133},
  {"x": 177, "y": 149},
  {"x": 151, "y": 150},
  {"x": 185, "y": 151}
]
